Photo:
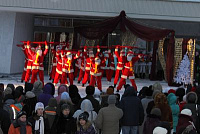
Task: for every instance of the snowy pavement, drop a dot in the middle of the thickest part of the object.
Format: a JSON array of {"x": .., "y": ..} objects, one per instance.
[{"x": 16, "y": 80}]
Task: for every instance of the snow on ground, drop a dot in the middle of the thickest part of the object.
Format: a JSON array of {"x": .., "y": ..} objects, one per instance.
[{"x": 16, "y": 80}]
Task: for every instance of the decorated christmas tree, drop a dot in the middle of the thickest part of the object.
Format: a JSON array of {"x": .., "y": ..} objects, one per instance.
[{"x": 183, "y": 72}]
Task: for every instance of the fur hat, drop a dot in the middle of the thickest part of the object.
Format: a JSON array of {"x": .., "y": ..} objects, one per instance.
[
  {"x": 39, "y": 105},
  {"x": 159, "y": 130},
  {"x": 109, "y": 91},
  {"x": 156, "y": 111},
  {"x": 84, "y": 116},
  {"x": 186, "y": 112},
  {"x": 29, "y": 95},
  {"x": 21, "y": 113},
  {"x": 8, "y": 90},
  {"x": 111, "y": 99}
]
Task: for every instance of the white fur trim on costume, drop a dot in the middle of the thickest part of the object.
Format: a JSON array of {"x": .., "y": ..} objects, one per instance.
[
  {"x": 41, "y": 68},
  {"x": 112, "y": 68},
  {"x": 159, "y": 130},
  {"x": 95, "y": 74},
  {"x": 131, "y": 77},
  {"x": 123, "y": 76},
  {"x": 60, "y": 72},
  {"x": 87, "y": 68},
  {"x": 29, "y": 67},
  {"x": 35, "y": 67},
  {"x": 25, "y": 69},
  {"x": 116, "y": 49},
  {"x": 54, "y": 64},
  {"x": 59, "y": 63},
  {"x": 119, "y": 68}
]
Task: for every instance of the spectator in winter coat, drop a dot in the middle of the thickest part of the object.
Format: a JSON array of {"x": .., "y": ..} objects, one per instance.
[
  {"x": 185, "y": 123},
  {"x": 180, "y": 92},
  {"x": 145, "y": 101},
  {"x": 161, "y": 102},
  {"x": 1, "y": 87},
  {"x": 84, "y": 126},
  {"x": 20, "y": 89},
  {"x": 174, "y": 108},
  {"x": 74, "y": 95},
  {"x": 198, "y": 94},
  {"x": 4, "y": 118},
  {"x": 8, "y": 90},
  {"x": 28, "y": 87},
  {"x": 157, "y": 86},
  {"x": 50, "y": 111},
  {"x": 8, "y": 100},
  {"x": 37, "y": 88},
  {"x": 182, "y": 103},
  {"x": 40, "y": 125},
  {"x": 191, "y": 103},
  {"x": 108, "y": 117},
  {"x": 152, "y": 121},
  {"x": 133, "y": 112},
  {"x": 90, "y": 92},
  {"x": 104, "y": 101},
  {"x": 46, "y": 95},
  {"x": 61, "y": 89},
  {"x": 20, "y": 125},
  {"x": 12, "y": 87},
  {"x": 29, "y": 103},
  {"x": 142, "y": 93},
  {"x": 52, "y": 88},
  {"x": 86, "y": 106},
  {"x": 64, "y": 123}
]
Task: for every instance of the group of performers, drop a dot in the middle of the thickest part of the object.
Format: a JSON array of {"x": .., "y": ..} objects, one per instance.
[{"x": 91, "y": 67}]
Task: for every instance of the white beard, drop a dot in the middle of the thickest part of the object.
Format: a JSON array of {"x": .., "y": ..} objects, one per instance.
[
  {"x": 39, "y": 52},
  {"x": 97, "y": 62},
  {"x": 91, "y": 55},
  {"x": 129, "y": 58},
  {"x": 69, "y": 57}
]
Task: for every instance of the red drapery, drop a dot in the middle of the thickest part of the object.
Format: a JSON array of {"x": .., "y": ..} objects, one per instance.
[
  {"x": 99, "y": 30},
  {"x": 154, "y": 59}
]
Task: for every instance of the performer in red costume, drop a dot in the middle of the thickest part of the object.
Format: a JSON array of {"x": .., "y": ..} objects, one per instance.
[
  {"x": 87, "y": 68},
  {"x": 60, "y": 54},
  {"x": 83, "y": 57},
  {"x": 54, "y": 63},
  {"x": 120, "y": 64},
  {"x": 96, "y": 73},
  {"x": 68, "y": 68},
  {"x": 110, "y": 66},
  {"x": 78, "y": 64},
  {"x": 103, "y": 60},
  {"x": 38, "y": 58},
  {"x": 25, "y": 62},
  {"x": 30, "y": 62},
  {"x": 128, "y": 71}
]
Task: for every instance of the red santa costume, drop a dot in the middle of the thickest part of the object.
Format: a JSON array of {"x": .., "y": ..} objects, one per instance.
[
  {"x": 96, "y": 73},
  {"x": 110, "y": 66},
  {"x": 54, "y": 63},
  {"x": 37, "y": 67},
  {"x": 103, "y": 60},
  {"x": 128, "y": 71},
  {"x": 78, "y": 64},
  {"x": 60, "y": 54},
  {"x": 30, "y": 61},
  {"x": 87, "y": 68},
  {"x": 68, "y": 68},
  {"x": 25, "y": 63},
  {"x": 83, "y": 57},
  {"x": 120, "y": 64}
]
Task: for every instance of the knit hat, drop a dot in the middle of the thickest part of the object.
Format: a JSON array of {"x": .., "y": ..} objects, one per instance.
[
  {"x": 159, "y": 130},
  {"x": 84, "y": 116},
  {"x": 109, "y": 91},
  {"x": 29, "y": 95},
  {"x": 156, "y": 111},
  {"x": 38, "y": 85},
  {"x": 90, "y": 90},
  {"x": 65, "y": 106},
  {"x": 186, "y": 112},
  {"x": 8, "y": 90},
  {"x": 111, "y": 99},
  {"x": 39, "y": 105},
  {"x": 21, "y": 113},
  {"x": 172, "y": 91},
  {"x": 65, "y": 96}
]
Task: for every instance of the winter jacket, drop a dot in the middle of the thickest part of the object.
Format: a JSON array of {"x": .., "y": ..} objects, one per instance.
[
  {"x": 46, "y": 95},
  {"x": 61, "y": 89},
  {"x": 191, "y": 103},
  {"x": 108, "y": 119},
  {"x": 33, "y": 119},
  {"x": 95, "y": 103},
  {"x": 151, "y": 122},
  {"x": 183, "y": 122},
  {"x": 174, "y": 108},
  {"x": 86, "y": 105},
  {"x": 8, "y": 109},
  {"x": 161, "y": 102},
  {"x": 74, "y": 95},
  {"x": 198, "y": 94},
  {"x": 64, "y": 125},
  {"x": 133, "y": 112},
  {"x": 86, "y": 129},
  {"x": 15, "y": 128},
  {"x": 5, "y": 121},
  {"x": 50, "y": 111},
  {"x": 29, "y": 106}
]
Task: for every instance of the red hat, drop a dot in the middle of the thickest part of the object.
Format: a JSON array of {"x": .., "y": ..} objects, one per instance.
[
  {"x": 130, "y": 53},
  {"x": 193, "y": 89},
  {"x": 172, "y": 91}
]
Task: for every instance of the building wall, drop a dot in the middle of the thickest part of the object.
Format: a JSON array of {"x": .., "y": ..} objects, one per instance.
[{"x": 14, "y": 28}]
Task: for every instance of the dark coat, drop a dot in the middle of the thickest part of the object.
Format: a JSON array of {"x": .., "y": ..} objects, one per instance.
[
  {"x": 33, "y": 119},
  {"x": 151, "y": 122},
  {"x": 29, "y": 106},
  {"x": 183, "y": 122},
  {"x": 63, "y": 124},
  {"x": 5, "y": 120},
  {"x": 132, "y": 108},
  {"x": 46, "y": 95},
  {"x": 86, "y": 129},
  {"x": 94, "y": 102}
]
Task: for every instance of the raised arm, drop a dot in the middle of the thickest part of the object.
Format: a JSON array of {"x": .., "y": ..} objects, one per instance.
[
  {"x": 116, "y": 52},
  {"x": 46, "y": 49},
  {"x": 30, "y": 52}
]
